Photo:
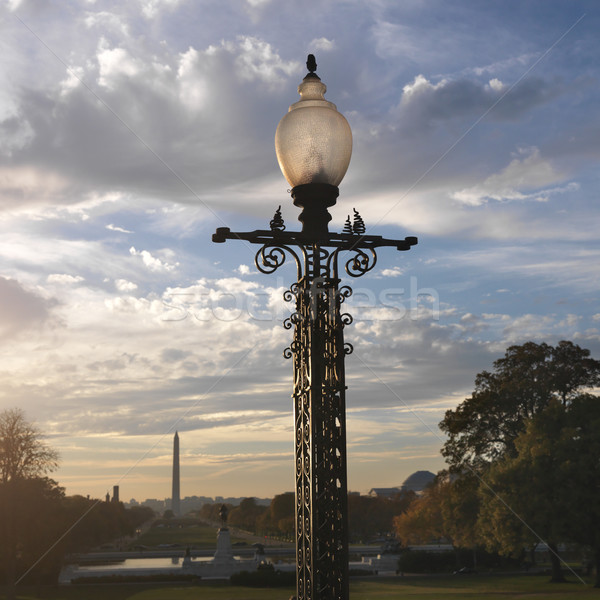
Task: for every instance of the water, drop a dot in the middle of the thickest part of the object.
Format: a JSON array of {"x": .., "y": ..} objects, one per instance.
[{"x": 142, "y": 563}]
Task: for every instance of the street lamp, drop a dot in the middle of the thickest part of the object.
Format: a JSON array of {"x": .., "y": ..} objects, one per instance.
[{"x": 313, "y": 142}]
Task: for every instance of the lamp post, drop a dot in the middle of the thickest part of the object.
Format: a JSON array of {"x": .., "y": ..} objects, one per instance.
[{"x": 313, "y": 143}]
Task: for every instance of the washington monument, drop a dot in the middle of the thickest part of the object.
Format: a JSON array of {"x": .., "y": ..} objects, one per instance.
[{"x": 175, "y": 491}]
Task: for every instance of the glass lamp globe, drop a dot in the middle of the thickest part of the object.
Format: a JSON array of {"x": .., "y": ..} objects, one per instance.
[{"x": 313, "y": 141}]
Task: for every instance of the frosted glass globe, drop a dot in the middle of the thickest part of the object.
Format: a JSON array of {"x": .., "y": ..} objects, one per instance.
[{"x": 313, "y": 141}]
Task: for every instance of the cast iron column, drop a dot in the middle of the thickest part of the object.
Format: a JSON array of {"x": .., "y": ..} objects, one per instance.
[{"x": 318, "y": 352}]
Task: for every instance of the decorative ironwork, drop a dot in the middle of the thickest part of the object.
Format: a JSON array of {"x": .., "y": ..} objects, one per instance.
[
  {"x": 358, "y": 227},
  {"x": 347, "y": 226},
  {"x": 277, "y": 223},
  {"x": 318, "y": 351}
]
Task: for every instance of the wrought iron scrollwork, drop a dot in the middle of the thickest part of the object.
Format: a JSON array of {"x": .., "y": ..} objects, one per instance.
[
  {"x": 292, "y": 320},
  {"x": 269, "y": 258},
  {"x": 361, "y": 262},
  {"x": 291, "y": 295},
  {"x": 272, "y": 256},
  {"x": 344, "y": 292},
  {"x": 317, "y": 352}
]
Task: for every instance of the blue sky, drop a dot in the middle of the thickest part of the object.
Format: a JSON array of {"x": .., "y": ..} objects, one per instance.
[{"x": 130, "y": 131}]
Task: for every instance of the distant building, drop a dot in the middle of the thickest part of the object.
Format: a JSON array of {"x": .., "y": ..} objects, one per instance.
[
  {"x": 115, "y": 497},
  {"x": 418, "y": 481},
  {"x": 384, "y": 492},
  {"x": 158, "y": 506}
]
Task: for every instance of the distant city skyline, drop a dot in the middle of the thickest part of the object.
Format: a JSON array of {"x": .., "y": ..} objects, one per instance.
[
  {"x": 415, "y": 482},
  {"x": 130, "y": 131}
]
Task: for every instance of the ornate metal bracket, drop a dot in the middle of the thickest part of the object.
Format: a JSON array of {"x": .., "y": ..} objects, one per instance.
[{"x": 276, "y": 243}]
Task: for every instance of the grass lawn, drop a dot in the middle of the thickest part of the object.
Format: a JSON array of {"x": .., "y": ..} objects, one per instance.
[
  {"x": 474, "y": 587},
  {"x": 186, "y": 532}
]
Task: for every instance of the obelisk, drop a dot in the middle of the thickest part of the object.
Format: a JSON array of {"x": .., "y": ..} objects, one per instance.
[{"x": 175, "y": 490}]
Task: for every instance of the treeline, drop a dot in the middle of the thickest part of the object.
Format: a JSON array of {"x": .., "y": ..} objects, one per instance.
[
  {"x": 277, "y": 519},
  {"x": 39, "y": 524},
  {"x": 368, "y": 517},
  {"x": 523, "y": 456}
]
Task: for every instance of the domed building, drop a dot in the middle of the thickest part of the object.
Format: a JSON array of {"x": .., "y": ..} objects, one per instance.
[{"x": 418, "y": 481}]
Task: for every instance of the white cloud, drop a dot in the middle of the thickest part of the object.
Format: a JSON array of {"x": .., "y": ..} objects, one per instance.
[
  {"x": 64, "y": 279},
  {"x": 107, "y": 20},
  {"x": 420, "y": 86},
  {"x": 258, "y": 60},
  {"x": 152, "y": 262},
  {"x": 322, "y": 44},
  {"x": 393, "y": 272},
  {"x": 125, "y": 286},
  {"x": 496, "y": 85},
  {"x": 526, "y": 172},
  {"x": 116, "y": 64},
  {"x": 72, "y": 81},
  {"x": 151, "y": 8},
  {"x": 119, "y": 229}
]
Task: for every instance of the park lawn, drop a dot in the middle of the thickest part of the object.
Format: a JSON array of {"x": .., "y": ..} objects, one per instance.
[
  {"x": 198, "y": 534},
  {"x": 471, "y": 588},
  {"x": 475, "y": 587},
  {"x": 193, "y": 532}
]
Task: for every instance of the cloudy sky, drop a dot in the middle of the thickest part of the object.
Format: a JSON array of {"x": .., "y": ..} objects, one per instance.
[{"x": 130, "y": 131}]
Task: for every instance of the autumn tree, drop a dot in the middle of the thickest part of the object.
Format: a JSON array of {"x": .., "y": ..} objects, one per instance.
[
  {"x": 245, "y": 515},
  {"x": 373, "y": 516},
  {"x": 422, "y": 523},
  {"x": 460, "y": 506},
  {"x": 280, "y": 517}
]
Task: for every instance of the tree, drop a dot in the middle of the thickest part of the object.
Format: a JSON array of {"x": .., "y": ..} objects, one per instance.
[
  {"x": 280, "y": 517},
  {"x": 525, "y": 500},
  {"x": 25, "y": 494},
  {"x": 369, "y": 516},
  {"x": 582, "y": 479},
  {"x": 557, "y": 462},
  {"x": 246, "y": 514},
  {"x": 512, "y": 435},
  {"x": 483, "y": 428},
  {"x": 423, "y": 522},
  {"x": 23, "y": 455},
  {"x": 460, "y": 507},
  {"x": 30, "y": 525}
]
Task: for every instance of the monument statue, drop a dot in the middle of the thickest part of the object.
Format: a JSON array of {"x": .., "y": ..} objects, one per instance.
[{"x": 223, "y": 515}]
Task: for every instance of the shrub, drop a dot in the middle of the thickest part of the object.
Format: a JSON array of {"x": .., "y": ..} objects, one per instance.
[
  {"x": 264, "y": 576},
  {"x": 419, "y": 561}
]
